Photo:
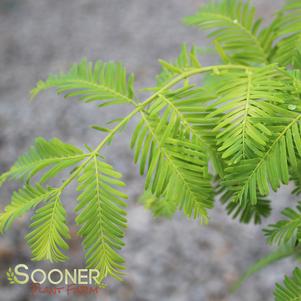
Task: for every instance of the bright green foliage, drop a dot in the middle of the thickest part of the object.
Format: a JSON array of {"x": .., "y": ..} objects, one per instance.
[
  {"x": 22, "y": 201},
  {"x": 176, "y": 167},
  {"x": 106, "y": 83},
  {"x": 247, "y": 212},
  {"x": 245, "y": 99},
  {"x": 232, "y": 131},
  {"x": 49, "y": 231},
  {"x": 288, "y": 49},
  {"x": 237, "y": 33},
  {"x": 291, "y": 288},
  {"x": 190, "y": 105},
  {"x": 102, "y": 217},
  {"x": 272, "y": 167},
  {"x": 286, "y": 231},
  {"x": 53, "y": 153}
]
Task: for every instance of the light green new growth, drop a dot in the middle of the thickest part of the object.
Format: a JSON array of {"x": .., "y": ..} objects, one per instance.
[
  {"x": 231, "y": 130},
  {"x": 49, "y": 231},
  {"x": 102, "y": 217},
  {"x": 291, "y": 288}
]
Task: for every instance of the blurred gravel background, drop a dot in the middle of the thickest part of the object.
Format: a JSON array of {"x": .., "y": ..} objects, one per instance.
[{"x": 176, "y": 260}]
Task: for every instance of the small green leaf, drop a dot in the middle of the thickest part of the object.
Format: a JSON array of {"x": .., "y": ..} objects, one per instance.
[{"x": 101, "y": 129}]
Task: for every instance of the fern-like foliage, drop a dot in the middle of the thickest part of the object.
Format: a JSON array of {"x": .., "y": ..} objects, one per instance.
[
  {"x": 243, "y": 98},
  {"x": 100, "y": 210},
  {"x": 175, "y": 166},
  {"x": 53, "y": 154},
  {"x": 102, "y": 217},
  {"x": 246, "y": 212},
  {"x": 290, "y": 290},
  {"x": 288, "y": 50},
  {"x": 287, "y": 231},
  {"x": 239, "y": 36},
  {"x": 49, "y": 225},
  {"x": 106, "y": 83},
  {"x": 22, "y": 201},
  {"x": 234, "y": 130},
  {"x": 49, "y": 231},
  {"x": 253, "y": 175}
]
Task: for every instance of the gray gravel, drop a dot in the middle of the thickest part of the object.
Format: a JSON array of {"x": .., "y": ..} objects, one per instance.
[{"x": 174, "y": 260}]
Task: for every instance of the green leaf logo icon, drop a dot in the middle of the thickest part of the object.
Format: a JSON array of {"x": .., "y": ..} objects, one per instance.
[{"x": 11, "y": 276}]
